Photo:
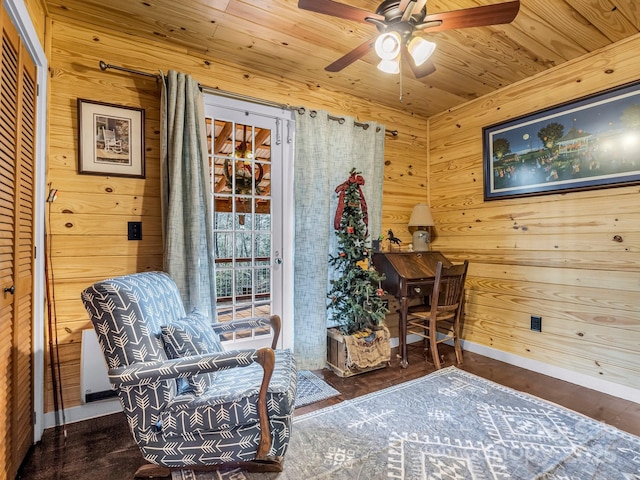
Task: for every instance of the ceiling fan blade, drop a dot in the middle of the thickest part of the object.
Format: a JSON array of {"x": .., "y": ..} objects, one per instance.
[
  {"x": 471, "y": 17},
  {"x": 413, "y": 8},
  {"x": 427, "y": 68},
  {"x": 407, "y": 9},
  {"x": 329, "y": 7},
  {"x": 351, "y": 57},
  {"x": 403, "y": 5}
]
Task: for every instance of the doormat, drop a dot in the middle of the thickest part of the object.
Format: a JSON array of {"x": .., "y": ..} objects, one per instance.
[{"x": 312, "y": 388}]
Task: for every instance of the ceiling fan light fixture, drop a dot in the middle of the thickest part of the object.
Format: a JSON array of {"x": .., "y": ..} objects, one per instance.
[
  {"x": 390, "y": 66},
  {"x": 388, "y": 45},
  {"x": 420, "y": 50}
]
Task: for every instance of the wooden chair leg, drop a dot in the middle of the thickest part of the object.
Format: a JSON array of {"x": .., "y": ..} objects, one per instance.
[
  {"x": 152, "y": 471},
  {"x": 433, "y": 342},
  {"x": 458, "y": 349},
  {"x": 456, "y": 338}
]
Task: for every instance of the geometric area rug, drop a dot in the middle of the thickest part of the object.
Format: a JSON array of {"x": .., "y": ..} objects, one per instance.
[
  {"x": 312, "y": 389},
  {"x": 450, "y": 424}
]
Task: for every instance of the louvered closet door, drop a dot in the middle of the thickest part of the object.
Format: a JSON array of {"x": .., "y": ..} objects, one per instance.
[{"x": 17, "y": 153}]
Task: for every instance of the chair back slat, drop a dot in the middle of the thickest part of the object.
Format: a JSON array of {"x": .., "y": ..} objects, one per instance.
[{"x": 451, "y": 284}]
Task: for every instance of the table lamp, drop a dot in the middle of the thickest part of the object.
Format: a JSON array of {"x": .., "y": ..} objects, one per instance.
[{"x": 422, "y": 219}]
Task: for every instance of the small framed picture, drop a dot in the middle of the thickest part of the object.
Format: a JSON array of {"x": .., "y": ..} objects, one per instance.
[{"x": 110, "y": 139}]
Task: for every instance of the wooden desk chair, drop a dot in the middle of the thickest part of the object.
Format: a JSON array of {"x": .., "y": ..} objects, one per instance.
[{"x": 443, "y": 310}]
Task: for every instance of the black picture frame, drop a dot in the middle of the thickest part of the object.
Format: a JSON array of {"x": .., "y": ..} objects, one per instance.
[
  {"x": 592, "y": 142},
  {"x": 110, "y": 139}
]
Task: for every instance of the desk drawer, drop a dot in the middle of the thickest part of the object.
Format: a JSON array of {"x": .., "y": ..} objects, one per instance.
[{"x": 419, "y": 290}]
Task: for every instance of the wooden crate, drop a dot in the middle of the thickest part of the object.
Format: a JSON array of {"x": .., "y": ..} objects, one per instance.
[{"x": 337, "y": 356}]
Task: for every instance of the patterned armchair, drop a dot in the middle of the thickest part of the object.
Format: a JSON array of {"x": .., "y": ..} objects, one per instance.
[{"x": 190, "y": 404}]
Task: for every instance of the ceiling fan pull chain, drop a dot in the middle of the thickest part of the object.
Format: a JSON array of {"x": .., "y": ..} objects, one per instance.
[{"x": 400, "y": 73}]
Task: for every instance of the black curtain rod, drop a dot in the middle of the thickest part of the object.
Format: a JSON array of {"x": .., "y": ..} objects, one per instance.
[
  {"x": 341, "y": 120},
  {"x": 105, "y": 66}
]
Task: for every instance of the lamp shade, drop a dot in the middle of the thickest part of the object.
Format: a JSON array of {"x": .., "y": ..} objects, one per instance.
[
  {"x": 388, "y": 45},
  {"x": 420, "y": 50},
  {"x": 421, "y": 216},
  {"x": 389, "y": 66}
]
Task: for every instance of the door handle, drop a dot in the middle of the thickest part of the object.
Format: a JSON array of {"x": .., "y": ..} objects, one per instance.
[{"x": 11, "y": 289}]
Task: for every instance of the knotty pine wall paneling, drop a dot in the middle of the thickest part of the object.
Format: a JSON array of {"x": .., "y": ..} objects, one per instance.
[
  {"x": 88, "y": 221},
  {"x": 550, "y": 255},
  {"x": 38, "y": 13}
]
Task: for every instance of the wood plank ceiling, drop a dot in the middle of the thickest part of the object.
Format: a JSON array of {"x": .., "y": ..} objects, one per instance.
[{"x": 276, "y": 37}]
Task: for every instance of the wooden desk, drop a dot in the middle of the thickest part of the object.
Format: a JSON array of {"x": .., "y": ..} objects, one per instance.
[{"x": 407, "y": 275}]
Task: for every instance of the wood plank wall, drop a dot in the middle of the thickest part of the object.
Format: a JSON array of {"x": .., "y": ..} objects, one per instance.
[
  {"x": 38, "y": 13},
  {"x": 87, "y": 224},
  {"x": 552, "y": 255}
]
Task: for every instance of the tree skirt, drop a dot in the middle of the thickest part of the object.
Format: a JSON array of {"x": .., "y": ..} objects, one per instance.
[
  {"x": 450, "y": 425},
  {"x": 369, "y": 351}
]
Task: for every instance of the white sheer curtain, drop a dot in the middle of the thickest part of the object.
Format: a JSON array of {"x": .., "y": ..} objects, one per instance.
[
  {"x": 326, "y": 151},
  {"x": 186, "y": 193}
]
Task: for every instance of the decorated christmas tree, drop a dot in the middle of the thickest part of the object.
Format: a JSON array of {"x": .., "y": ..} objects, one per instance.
[{"x": 355, "y": 297}]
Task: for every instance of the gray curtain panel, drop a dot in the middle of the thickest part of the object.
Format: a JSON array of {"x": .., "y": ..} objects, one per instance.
[
  {"x": 326, "y": 151},
  {"x": 186, "y": 193}
]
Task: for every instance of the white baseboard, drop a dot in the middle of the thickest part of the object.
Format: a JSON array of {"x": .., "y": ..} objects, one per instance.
[
  {"x": 598, "y": 384},
  {"x": 82, "y": 412}
]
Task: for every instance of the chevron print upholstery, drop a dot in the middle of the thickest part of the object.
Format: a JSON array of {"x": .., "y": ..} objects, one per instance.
[
  {"x": 188, "y": 336},
  {"x": 218, "y": 423},
  {"x": 232, "y": 401}
]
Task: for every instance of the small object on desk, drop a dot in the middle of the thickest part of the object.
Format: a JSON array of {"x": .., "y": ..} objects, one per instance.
[{"x": 393, "y": 240}]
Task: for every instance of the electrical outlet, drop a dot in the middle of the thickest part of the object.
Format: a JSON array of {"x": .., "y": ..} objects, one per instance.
[
  {"x": 536, "y": 323},
  {"x": 135, "y": 231}
]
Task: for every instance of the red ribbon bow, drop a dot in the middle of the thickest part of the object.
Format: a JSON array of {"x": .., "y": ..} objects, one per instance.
[{"x": 340, "y": 190}]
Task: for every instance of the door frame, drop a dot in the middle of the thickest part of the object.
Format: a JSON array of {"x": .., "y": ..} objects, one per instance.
[
  {"x": 20, "y": 18},
  {"x": 288, "y": 221}
]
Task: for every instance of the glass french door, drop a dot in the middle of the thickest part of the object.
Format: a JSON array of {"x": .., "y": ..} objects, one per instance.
[{"x": 247, "y": 155}]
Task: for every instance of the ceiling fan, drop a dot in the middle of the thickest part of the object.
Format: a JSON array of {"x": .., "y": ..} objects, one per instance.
[{"x": 401, "y": 24}]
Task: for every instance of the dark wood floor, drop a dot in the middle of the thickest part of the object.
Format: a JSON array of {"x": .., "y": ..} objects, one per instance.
[{"x": 103, "y": 449}]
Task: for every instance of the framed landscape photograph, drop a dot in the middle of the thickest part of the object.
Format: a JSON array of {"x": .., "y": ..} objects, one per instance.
[
  {"x": 593, "y": 142},
  {"x": 110, "y": 139}
]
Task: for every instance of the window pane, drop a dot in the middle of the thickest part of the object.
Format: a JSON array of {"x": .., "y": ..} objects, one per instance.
[
  {"x": 223, "y": 244},
  {"x": 222, "y": 220},
  {"x": 263, "y": 221},
  {"x": 244, "y": 282},
  {"x": 262, "y": 143},
  {"x": 244, "y": 221},
  {"x": 263, "y": 280},
  {"x": 223, "y": 175},
  {"x": 223, "y": 290},
  {"x": 263, "y": 245},
  {"x": 243, "y": 245}
]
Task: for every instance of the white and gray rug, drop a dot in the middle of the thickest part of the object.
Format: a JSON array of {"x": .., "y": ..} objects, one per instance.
[
  {"x": 312, "y": 388},
  {"x": 450, "y": 425}
]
